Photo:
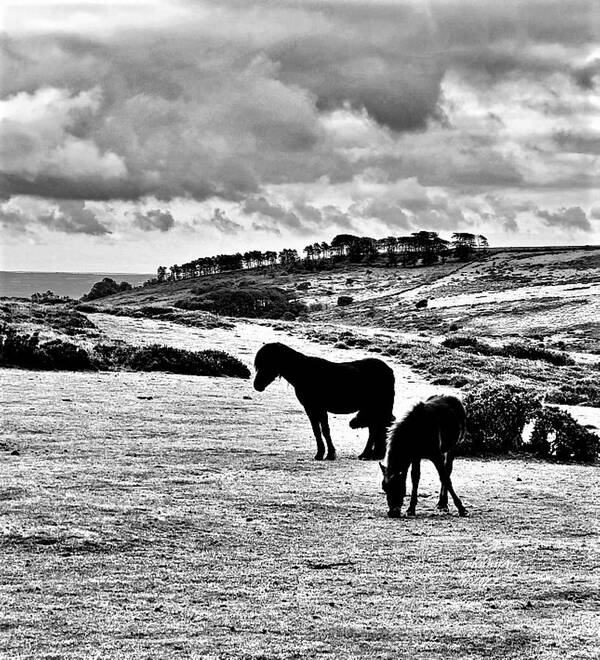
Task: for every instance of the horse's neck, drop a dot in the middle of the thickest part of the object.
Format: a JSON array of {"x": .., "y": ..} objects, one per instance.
[{"x": 292, "y": 367}]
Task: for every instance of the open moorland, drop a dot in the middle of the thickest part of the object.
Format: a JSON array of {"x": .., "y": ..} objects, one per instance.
[{"x": 151, "y": 515}]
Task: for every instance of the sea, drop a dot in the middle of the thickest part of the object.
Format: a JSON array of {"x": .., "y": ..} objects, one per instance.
[{"x": 21, "y": 284}]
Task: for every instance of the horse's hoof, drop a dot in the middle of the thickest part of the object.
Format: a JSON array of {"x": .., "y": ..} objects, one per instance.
[
  {"x": 364, "y": 457},
  {"x": 318, "y": 457},
  {"x": 394, "y": 513},
  {"x": 443, "y": 507},
  {"x": 463, "y": 513},
  {"x": 331, "y": 457},
  {"x": 411, "y": 512}
]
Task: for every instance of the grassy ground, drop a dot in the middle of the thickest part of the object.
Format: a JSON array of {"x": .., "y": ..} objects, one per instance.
[
  {"x": 190, "y": 521},
  {"x": 147, "y": 515}
]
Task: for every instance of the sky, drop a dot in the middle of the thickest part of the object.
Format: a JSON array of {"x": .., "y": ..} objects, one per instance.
[{"x": 142, "y": 133}]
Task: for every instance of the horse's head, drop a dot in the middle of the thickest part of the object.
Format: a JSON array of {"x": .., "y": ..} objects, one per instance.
[
  {"x": 267, "y": 365},
  {"x": 394, "y": 487}
]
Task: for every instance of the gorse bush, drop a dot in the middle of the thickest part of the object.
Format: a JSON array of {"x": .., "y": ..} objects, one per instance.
[
  {"x": 518, "y": 350},
  {"x": 556, "y": 434},
  {"x": 30, "y": 352},
  {"x": 243, "y": 301},
  {"x": 582, "y": 394},
  {"x": 176, "y": 360},
  {"x": 459, "y": 340},
  {"x": 496, "y": 417},
  {"x": 106, "y": 287}
]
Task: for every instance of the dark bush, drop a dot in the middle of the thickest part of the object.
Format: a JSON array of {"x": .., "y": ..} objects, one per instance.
[
  {"x": 29, "y": 352},
  {"x": 50, "y": 298},
  {"x": 250, "y": 302},
  {"x": 516, "y": 350},
  {"x": 303, "y": 286},
  {"x": 530, "y": 352},
  {"x": 556, "y": 434},
  {"x": 344, "y": 300},
  {"x": 176, "y": 360},
  {"x": 87, "y": 309},
  {"x": 459, "y": 340},
  {"x": 496, "y": 416},
  {"x": 582, "y": 394},
  {"x": 106, "y": 287}
]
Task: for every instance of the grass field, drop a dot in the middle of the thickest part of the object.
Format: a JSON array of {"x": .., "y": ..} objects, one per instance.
[{"x": 153, "y": 515}]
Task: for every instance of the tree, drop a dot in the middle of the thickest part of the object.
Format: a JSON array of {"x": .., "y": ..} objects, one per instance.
[
  {"x": 342, "y": 242},
  {"x": 464, "y": 245},
  {"x": 161, "y": 273}
]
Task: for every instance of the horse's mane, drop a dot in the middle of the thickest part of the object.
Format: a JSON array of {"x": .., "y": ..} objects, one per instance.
[{"x": 402, "y": 430}]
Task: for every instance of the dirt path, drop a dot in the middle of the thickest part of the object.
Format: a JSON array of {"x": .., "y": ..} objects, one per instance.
[
  {"x": 246, "y": 339},
  {"x": 154, "y": 515}
]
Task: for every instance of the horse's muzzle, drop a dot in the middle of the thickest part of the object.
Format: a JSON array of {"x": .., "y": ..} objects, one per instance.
[
  {"x": 396, "y": 512},
  {"x": 258, "y": 386}
]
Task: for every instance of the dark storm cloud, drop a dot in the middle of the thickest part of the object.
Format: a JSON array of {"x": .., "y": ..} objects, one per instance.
[
  {"x": 154, "y": 220},
  {"x": 72, "y": 217},
  {"x": 566, "y": 218},
  {"x": 231, "y": 96}
]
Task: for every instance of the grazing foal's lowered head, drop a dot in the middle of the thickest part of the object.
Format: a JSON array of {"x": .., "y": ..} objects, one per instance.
[
  {"x": 268, "y": 364},
  {"x": 394, "y": 487}
]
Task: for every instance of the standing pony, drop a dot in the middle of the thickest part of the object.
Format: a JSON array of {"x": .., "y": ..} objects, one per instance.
[
  {"x": 366, "y": 386},
  {"x": 430, "y": 430}
]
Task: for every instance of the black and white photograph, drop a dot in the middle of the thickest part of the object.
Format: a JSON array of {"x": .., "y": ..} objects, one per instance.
[{"x": 299, "y": 329}]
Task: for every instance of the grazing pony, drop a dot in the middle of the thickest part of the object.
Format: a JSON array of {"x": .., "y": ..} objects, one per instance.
[
  {"x": 366, "y": 386},
  {"x": 430, "y": 430}
]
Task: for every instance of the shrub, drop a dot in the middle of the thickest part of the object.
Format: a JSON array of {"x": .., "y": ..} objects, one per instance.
[
  {"x": 556, "y": 434},
  {"x": 28, "y": 352},
  {"x": 87, "y": 309},
  {"x": 249, "y": 302},
  {"x": 582, "y": 394},
  {"x": 176, "y": 360},
  {"x": 516, "y": 350},
  {"x": 50, "y": 298},
  {"x": 156, "y": 357},
  {"x": 459, "y": 340},
  {"x": 496, "y": 416},
  {"x": 303, "y": 286},
  {"x": 106, "y": 287},
  {"x": 344, "y": 300}
]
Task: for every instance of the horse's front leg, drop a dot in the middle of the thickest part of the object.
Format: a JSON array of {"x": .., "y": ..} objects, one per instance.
[
  {"x": 415, "y": 475},
  {"x": 316, "y": 427},
  {"x": 325, "y": 428}
]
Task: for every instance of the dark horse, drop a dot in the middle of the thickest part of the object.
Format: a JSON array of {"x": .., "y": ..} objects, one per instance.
[
  {"x": 366, "y": 386},
  {"x": 430, "y": 430}
]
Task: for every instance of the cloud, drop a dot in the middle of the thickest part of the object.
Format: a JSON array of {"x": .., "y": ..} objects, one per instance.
[
  {"x": 72, "y": 217},
  {"x": 66, "y": 216},
  {"x": 154, "y": 219},
  {"x": 224, "y": 224},
  {"x": 566, "y": 218},
  {"x": 190, "y": 104}
]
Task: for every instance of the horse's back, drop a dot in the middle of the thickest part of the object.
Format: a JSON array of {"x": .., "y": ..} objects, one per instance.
[{"x": 450, "y": 417}]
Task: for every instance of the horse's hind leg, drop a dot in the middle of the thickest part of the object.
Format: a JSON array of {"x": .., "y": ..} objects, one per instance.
[
  {"x": 325, "y": 426},
  {"x": 447, "y": 482},
  {"x": 443, "y": 501},
  {"x": 415, "y": 476},
  {"x": 379, "y": 438},
  {"x": 316, "y": 427}
]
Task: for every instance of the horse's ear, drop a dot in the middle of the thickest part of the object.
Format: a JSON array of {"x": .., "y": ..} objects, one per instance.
[{"x": 383, "y": 469}]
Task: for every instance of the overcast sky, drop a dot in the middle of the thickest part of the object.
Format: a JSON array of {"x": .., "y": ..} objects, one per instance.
[{"x": 134, "y": 134}]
